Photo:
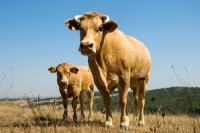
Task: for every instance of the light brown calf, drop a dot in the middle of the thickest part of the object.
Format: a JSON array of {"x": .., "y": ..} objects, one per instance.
[
  {"x": 116, "y": 61},
  {"x": 72, "y": 82}
]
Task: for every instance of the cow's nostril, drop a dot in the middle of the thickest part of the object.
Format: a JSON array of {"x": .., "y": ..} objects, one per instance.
[
  {"x": 90, "y": 46},
  {"x": 81, "y": 45},
  {"x": 86, "y": 45}
]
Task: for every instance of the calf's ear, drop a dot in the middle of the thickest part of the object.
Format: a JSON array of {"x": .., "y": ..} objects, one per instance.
[
  {"x": 72, "y": 24},
  {"x": 110, "y": 26},
  {"x": 74, "y": 70},
  {"x": 52, "y": 69}
]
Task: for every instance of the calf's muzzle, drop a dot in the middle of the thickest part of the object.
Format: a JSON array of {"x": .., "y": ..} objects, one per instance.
[{"x": 64, "y": 82}]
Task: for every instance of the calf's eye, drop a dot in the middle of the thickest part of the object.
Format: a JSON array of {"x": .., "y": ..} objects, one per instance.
[
  {"x": 100, "y": 28},
  {"x": 68, "y": 73}
]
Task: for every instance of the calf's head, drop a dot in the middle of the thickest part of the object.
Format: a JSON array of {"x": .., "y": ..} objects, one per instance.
[
  {"x": 93, "y": 28},
  {"x": 64, "y": 71}
]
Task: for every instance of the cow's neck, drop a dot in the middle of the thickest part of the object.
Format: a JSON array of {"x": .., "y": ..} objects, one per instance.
[
  {"x": 98, "y": 68},
  {"x": 104, "y": 63},
  {"x": 98, "y": 62}
]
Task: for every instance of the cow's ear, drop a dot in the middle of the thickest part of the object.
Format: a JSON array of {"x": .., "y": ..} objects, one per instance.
[
  {"x": 74, "y": 70},
  {"x": 52, "y": 69},
  {"x": 110, "y": 26},
  {"x": 72, "y": 24}
]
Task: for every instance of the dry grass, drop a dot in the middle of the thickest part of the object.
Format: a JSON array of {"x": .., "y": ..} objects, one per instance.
[{"x": 17, "y": 119}]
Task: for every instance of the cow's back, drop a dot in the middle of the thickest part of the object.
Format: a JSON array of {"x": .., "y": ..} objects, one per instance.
[
  {"x": 142, "y": 57},
  {"x": 127, "y": 54},
  {"x": 125, "y": 47}
]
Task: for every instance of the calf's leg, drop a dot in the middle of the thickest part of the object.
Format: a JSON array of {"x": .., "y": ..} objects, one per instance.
[
  {"x": 65, "y": 104},
  {"x": 74, "y": 106},
  {"x": 82, "y": 105},
  {"x": 63, "y": 93}
]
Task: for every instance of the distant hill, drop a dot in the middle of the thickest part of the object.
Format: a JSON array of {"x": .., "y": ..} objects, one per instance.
[{"x": 173, "y": 100}]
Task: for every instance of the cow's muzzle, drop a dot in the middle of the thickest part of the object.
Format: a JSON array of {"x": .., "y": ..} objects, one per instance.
[{"x": 86, "y": 47}]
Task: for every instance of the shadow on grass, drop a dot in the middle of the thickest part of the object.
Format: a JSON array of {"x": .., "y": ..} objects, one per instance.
[{"x": 42, "y": 121}]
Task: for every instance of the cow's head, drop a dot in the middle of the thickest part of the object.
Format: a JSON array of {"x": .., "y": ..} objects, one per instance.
[
  {"x": 64, "y": 71},
  {"x": 93, "y": 28}
]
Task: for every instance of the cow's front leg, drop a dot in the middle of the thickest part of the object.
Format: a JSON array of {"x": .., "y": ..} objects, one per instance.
[
  {"x": 107, "y": 102},
  {"x": 90, "y": 95},
  {"x": 74, "y": 106},
  {"x": 124, "y": 119},
  {"x": 105, "y": 93}
]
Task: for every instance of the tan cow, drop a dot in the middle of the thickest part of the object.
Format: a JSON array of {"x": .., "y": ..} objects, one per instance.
[
  {"x": 116, "y": 61},
  {"x": 72, "y": 82}
]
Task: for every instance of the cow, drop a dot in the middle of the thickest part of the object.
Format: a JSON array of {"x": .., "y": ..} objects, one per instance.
[
  {"x": 116, "y": 60},
  {"x": 73, "y": 81}
]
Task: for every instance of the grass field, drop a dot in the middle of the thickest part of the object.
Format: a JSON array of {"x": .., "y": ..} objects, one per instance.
[{"x": 48, "y": 119}]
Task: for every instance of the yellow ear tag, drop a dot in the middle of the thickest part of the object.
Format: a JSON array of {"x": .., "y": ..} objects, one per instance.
[{"x": 73, "y": 28}]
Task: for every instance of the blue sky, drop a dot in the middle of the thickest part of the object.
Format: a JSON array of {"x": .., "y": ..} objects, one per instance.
[{"x": 33, "y": 37}]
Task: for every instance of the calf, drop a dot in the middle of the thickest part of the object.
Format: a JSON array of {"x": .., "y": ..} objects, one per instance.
[{"x": 72, "y": 82}]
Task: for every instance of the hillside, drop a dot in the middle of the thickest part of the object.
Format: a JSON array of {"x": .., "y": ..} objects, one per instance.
[{"x": 173, "y": 100}]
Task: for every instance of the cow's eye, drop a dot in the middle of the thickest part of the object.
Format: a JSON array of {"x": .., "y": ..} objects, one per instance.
[{"x": 100, "y": 28}]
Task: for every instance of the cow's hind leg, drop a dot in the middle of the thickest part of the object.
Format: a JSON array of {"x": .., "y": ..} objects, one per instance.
[
  {"x": 141, "y": 99},
  {"x": 123, "y": 102},
  {"x": 135, "y": 101}
]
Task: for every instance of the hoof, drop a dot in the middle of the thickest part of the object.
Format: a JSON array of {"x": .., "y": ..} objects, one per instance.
[
  {"x": 124, "y": 128},
  {"x": 107, "y": 127},
  {"x": 108, "y": 124},
  {"x": 75, "y": 121},
  {"x": 65, "y": 120},
  {"x": 141, "y": 124},
  {"x": 90, "y": 120}
]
